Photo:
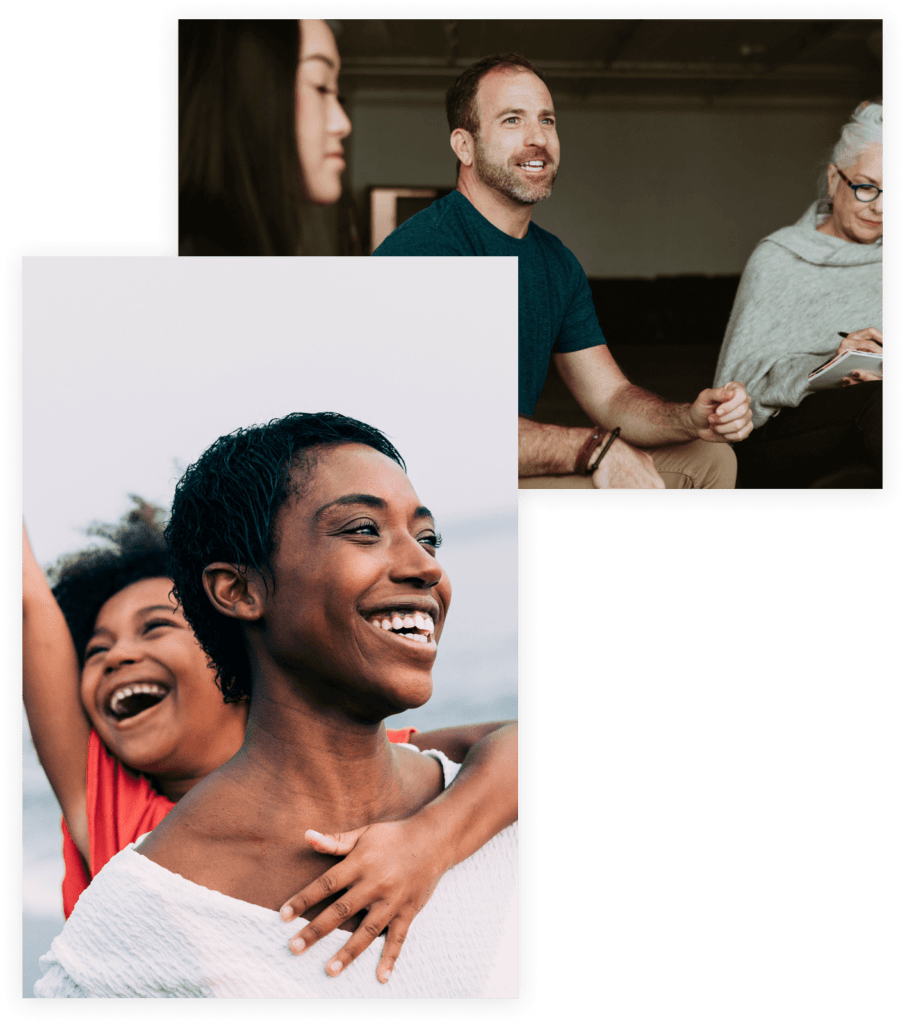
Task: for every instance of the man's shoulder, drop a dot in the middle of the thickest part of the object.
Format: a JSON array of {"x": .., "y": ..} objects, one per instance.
[
  {"x": 553, "y": 244},
  {"x": 430, "y": 232},
  {"x": 553, "y": 259}
]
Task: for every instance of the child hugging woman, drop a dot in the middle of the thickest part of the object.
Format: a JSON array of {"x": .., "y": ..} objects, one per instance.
[{"x": 127, "y": 718}]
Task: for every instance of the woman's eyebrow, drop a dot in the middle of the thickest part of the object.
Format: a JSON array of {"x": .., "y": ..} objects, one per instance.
[
  {"x": 322, "y": 57},
  {"x": 369, "y": 501}
]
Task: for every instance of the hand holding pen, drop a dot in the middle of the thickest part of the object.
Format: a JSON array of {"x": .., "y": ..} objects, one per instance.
[{"x": 867, "y": 340}]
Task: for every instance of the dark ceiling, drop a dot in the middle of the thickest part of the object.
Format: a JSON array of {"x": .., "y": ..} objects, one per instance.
[{"x": 701, "y": 60}]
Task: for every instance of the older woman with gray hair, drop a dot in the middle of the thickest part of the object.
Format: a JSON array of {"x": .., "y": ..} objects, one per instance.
[{"x": 808, "y": 293}]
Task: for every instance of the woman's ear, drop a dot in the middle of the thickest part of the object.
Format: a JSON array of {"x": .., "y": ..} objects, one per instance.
[
  {"x": 234, "y": 592},
  {"x": 462, "y": 143},
  {"x": 832, "y": 180}
]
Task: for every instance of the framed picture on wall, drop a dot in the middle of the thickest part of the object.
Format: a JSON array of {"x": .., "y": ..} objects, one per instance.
[{"x": 390, "y": 206}]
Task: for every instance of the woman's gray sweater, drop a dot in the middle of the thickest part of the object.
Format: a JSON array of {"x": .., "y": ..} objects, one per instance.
[{"x": 799, "y": 289}]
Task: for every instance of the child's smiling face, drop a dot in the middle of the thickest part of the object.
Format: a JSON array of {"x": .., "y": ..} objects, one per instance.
[{"x": 150, "y": 694}]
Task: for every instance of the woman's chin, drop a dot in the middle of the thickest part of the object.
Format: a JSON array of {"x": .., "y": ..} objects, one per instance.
[
  {"x": 384, "y": 696},
  {"x": 324, "y": 192},
  {"x": 416, "y": 697},
  {"x": 405, "y": 695}
]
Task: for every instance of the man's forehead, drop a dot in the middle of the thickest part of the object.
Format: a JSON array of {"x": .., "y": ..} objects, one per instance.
[{"x": 501, "y": 84}]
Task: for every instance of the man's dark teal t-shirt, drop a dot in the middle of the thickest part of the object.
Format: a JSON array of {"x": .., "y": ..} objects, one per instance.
[{"x": 555, "y": 309}]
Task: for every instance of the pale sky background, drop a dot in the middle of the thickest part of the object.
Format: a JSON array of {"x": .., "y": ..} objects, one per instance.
[{"x": 132, "y": 367}]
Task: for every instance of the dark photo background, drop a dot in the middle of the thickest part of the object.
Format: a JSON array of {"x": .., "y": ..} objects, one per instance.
[{"x": 683, "y": 144}]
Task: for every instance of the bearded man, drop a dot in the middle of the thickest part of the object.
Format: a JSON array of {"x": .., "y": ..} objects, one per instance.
[{"x": 503, "y": 132}]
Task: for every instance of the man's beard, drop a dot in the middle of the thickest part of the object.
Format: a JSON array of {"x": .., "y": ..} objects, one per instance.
[{"x": 507, "y": 180}]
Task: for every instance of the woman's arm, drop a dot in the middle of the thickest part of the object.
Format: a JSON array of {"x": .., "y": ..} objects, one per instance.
[
  {"x": 777, "y": 333},
  {"x": 392, "y": 868},
  {"x": 50, "y": 690}
]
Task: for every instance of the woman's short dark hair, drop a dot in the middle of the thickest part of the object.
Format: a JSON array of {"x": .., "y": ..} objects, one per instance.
[
  {"x": 240, "y": 180},
  {"x": 461, "y": 109},
  {"x": 225, "y": 508},
  {"x": 86, "y": 580}
]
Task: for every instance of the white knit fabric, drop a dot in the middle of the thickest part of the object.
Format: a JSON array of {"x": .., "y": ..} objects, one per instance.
[{"x": 142, "y": 931}]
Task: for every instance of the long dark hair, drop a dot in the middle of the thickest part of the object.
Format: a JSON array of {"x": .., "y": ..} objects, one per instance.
[{"x": 240, "y": 180}]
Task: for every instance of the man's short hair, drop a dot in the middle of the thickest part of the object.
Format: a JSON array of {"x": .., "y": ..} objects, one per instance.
[
  {"x": 225, "y": 509},
  {"x": 460, "y": 97}
]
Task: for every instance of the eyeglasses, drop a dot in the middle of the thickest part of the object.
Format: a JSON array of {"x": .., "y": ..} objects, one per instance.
[{"x": 863, "y": 193}]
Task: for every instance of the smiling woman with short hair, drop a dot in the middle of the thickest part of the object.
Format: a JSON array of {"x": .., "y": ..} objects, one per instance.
[{"x": 308, "y": 568}]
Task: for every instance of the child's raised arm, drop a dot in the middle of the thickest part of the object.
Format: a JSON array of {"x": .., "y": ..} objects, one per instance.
[
  {"x": 50, "y": 690},
  {"x": 393, "y": 867}
]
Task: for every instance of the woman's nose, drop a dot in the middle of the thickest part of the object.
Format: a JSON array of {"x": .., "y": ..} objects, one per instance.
[
  {"x": 415, "y": 563},
  {"x": 340, "y": 125}
]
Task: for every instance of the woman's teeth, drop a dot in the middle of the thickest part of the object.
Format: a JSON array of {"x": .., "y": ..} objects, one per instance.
[{"x": 411, "y": 625}]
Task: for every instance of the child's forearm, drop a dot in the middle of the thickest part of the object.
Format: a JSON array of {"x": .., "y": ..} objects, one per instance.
[
  {"x": 50, "y": 691},
  {"x": 481, "y": 801},
  {"x": 455, "y": 741}
]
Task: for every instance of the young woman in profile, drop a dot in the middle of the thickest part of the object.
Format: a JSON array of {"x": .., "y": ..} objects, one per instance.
[{"x": 260, "y": 134}]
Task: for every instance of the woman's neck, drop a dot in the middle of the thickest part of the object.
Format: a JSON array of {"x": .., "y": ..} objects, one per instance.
[
  {"x": 298, "y": 755},
  {"x": 301, "y": 766}
]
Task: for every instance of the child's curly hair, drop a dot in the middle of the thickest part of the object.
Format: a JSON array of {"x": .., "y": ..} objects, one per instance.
[{"x": 84, "y": 581}]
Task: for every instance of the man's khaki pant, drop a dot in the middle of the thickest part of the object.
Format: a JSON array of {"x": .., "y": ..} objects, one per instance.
[{"x": 695, "y": 464}]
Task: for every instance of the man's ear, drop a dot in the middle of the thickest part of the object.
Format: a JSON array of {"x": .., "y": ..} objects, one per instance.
[
  {"x": 234, "y": 592},
  {"x": 462, "y": 143}
]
